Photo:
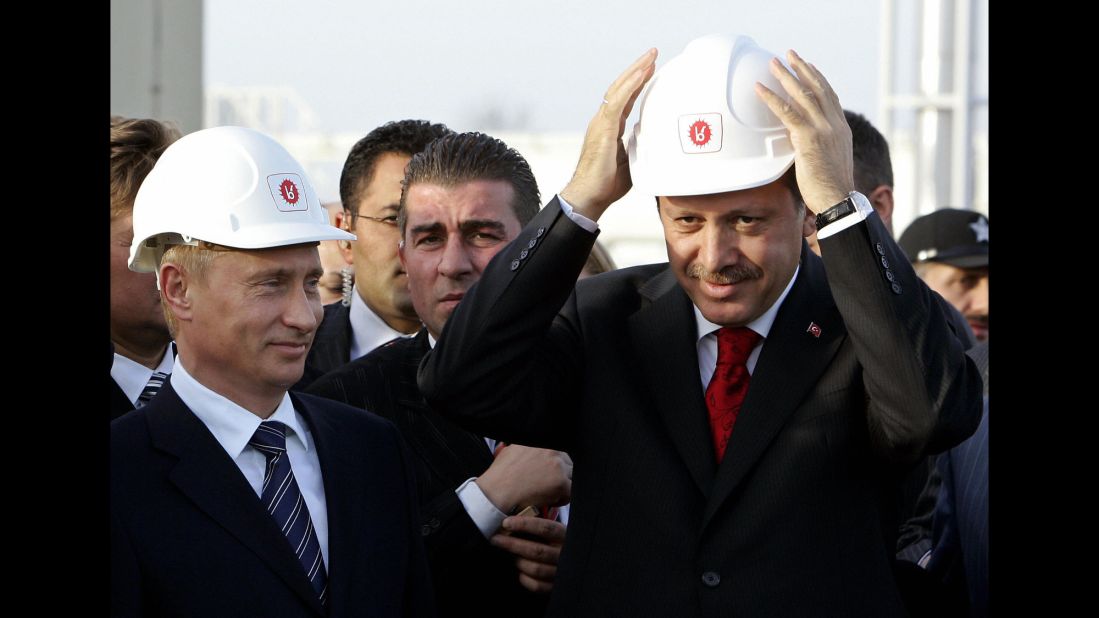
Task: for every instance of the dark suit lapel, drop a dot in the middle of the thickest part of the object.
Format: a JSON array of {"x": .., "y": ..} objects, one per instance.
[
  {"x": 453, "y": 453},
  {"x": 790, "y": 363},
  {"x": 333, "y": 340},
  {"x": 665, "y": 333},
  {"x": 210, "y": 479}
]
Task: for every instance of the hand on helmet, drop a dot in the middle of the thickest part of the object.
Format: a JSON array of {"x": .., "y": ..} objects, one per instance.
[
  {"x": 602, "y": 175},
  {"x": 818, "y": 131}
]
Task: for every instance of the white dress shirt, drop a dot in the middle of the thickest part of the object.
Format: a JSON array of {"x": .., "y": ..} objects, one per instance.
[
  {"x": 368, "y": 331},
  {"x": 132, "y": 376},
  {"x": 233, "y": 427}
]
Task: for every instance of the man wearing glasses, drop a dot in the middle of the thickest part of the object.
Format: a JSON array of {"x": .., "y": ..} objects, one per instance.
[{"x": 378, "y": 309}]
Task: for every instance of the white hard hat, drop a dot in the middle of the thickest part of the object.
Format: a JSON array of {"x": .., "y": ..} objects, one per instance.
[
  {"x": 230, "y": 186},
  {"x": 702, "y": 128}
]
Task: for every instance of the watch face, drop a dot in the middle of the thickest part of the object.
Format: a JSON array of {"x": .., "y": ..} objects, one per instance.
[
  {"x": 838, "y": 211},
  {"x": 859, "y": 201}
]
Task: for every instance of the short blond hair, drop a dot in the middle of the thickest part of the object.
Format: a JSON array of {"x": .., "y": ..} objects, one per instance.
[{"x": 192, "y": 260}]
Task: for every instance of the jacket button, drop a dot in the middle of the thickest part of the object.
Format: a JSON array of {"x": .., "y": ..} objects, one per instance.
[
  {"x": 884, "y": 262},
  {"x": 425, "y": 530},
  {"x": 541, "y": 231},
  {"x": 711, "y": 579},
  {"x": 530, "y": 245},
  {"x": 523, "y": 254},
  {"x": 434, "y": 523},
  {"x": 881, "y": 249},
  {"x": 515, "y": 264},
  {"x": 896, "y": 288},
  {"x": 889, "y": 275}
]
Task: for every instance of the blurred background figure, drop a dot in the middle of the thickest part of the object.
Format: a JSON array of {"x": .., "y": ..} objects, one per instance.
[
  {"x": 338, "y": 275},
  {"x": 139, "y": 335},
  {"x": 949, "y": 250},
  {"x": 379, "y": 308}
]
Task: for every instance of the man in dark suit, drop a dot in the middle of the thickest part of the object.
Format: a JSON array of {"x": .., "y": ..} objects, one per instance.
[
  {"x": 140, "y": 352},
  {"x": 466, "y": 196},
  {"x": 750, "y": 484},
  {"x": 378, "y": 308},
  {"x": 229, "y": 496}
]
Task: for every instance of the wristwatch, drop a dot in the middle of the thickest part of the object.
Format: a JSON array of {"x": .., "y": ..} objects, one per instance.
[{"x": 851, "y": 204}]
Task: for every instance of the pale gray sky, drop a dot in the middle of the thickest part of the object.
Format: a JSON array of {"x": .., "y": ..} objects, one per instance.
[{"x": 520, "y": 65}]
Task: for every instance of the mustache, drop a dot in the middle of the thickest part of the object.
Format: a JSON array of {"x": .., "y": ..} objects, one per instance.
[{"x": 726, "y": 276}]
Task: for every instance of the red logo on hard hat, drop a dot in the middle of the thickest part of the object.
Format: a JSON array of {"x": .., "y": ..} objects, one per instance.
[
  {"x": 700, "y": 133},
  {"x": 289, "y": 191}
]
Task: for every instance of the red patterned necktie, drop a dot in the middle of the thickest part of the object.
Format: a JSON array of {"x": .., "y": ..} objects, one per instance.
[{"x": 729, "y": 384}]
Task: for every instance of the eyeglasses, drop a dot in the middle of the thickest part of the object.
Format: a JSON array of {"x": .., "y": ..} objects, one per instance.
[{"x": 390, "y": 220}]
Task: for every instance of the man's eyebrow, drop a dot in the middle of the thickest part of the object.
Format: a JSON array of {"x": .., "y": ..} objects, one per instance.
[
  {"x": 424, "y": 228},
  {"x": 471, "y": 225}
]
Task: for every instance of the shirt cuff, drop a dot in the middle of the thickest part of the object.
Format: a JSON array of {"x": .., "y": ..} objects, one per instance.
[
  {"x": 922, "y": 563},
  {"x": 862, "y": 211},
  {"x": 576, "y": 217},
  {"x": 481, "y": 510}
]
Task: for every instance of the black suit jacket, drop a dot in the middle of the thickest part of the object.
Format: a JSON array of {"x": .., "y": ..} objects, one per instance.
[
  {"x": 331, "y": 345},
  {"x": 189, "y": 536},
  {"x": 790, "y": 523},
  {"x": 471, "y": 578}
]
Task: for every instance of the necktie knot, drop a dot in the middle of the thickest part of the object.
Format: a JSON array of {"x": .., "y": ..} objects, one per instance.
[
  {"x": 735, "y": 344},
  {"x": 269, "y": 439}
]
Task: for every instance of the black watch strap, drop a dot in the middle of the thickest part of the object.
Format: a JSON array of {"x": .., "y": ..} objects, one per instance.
[{"x": 839, "y": 211}]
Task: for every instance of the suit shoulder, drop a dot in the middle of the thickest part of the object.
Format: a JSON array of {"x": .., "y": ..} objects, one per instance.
[
  {"x": 387, "y": 353},
  {"x": 354, "y": 374},
  {"x": 623, "y": 288},
  {"x": 343, "y": 417}
]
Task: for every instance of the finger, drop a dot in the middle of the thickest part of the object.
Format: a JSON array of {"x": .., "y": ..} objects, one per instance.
[
  {"x": 536, "y": 570},
  {"x": 531, "y": 550},
  {"x": 780, "y": 107},
  {"x": 646, "y": 75},
  {"x": 809, "y": 74},
  {"x": 534, "y": 585},
  {"x": 547, "y": 529},
  {"x": 616, "y": 90},
  {"x": 802, "y": 97}
]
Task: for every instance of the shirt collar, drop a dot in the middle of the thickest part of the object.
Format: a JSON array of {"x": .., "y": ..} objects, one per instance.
[
  {"x": 761, "y": 325},
  {"x": 132, "y": 376},
  {"x": 232, "y": 425},
  {"x": 368, "y": 330}
]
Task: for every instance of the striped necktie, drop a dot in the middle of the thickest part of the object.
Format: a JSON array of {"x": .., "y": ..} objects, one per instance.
[
  {"x": 284, "y": 502},
  {"x": 152, "y": 387}
]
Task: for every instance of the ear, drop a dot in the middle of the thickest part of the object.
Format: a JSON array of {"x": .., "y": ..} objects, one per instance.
[
  {"x": 881, "y": 199},
  {"x": 809, "y": 223},
  {"x": 174, "y": 287},
  {"x": 343, "y": 221}
]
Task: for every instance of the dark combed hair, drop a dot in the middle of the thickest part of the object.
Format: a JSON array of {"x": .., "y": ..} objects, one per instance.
[
  {"x": 464, "y": 157},
  {"x": 400, "y": 136},
  {"x": 136, "y": 144},
  {"x": 873, "y": 167}
]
